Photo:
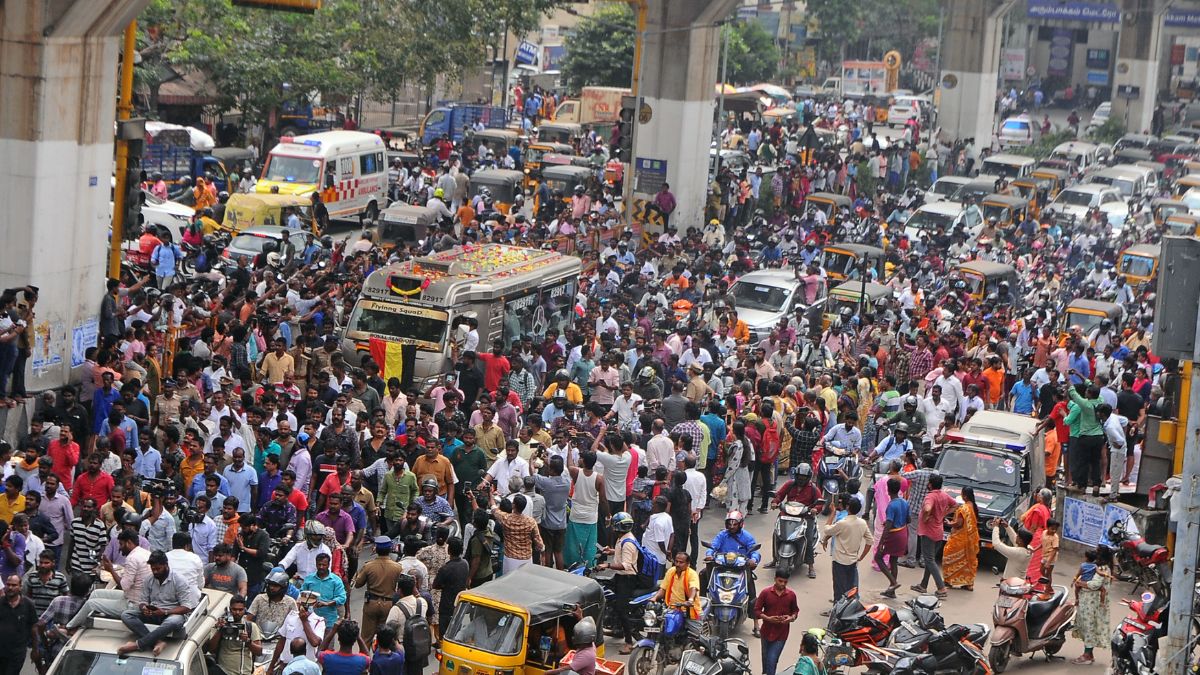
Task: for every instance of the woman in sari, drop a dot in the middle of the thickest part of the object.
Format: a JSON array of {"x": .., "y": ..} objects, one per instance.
[
  {"x": 1092, "y": 615},
  {"x": 960, "y": 558}
]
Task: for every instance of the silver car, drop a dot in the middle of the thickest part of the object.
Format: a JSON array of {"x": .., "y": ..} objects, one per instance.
[{"x": 249, "y": 243}]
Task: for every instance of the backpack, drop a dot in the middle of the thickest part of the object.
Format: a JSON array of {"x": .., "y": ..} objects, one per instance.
[
  {"x": 418, "y": 640},
  {"x": 649, "y": 569}
]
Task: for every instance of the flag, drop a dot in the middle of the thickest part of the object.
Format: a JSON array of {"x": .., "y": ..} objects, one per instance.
[{"x": 389, "y": 356}]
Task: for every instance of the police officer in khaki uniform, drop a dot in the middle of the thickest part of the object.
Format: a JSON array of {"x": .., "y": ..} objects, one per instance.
[{"x": 381, "y": 577}]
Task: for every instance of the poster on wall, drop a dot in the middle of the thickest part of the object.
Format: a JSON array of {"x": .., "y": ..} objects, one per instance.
[
  {"x": 1062, "y": 44},
  {"x": 83, "y": 336},
  {"x": 1012, "y": 64}
]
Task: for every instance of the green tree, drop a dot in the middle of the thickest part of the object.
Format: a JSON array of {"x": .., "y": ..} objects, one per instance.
[
  {"x": 839, "y": 24},
  {"x": 600, "y": 53},
  {"x": 753, "y": 54}
]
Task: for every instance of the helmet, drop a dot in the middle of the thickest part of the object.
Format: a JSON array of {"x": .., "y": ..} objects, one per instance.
[
  {"x": 429, "y": 483},
  {"x": 278, "y": 577},
  {"x": 578, "y": 189},
  {"x": 131, "y": 520},
  {"x": 622, "y": 522},
  {"x": 207, "y": 212},
  {"x": 804, "y": 469},
  {"x": 223, "y": 196},
  {"x": 736, "y": 516},
  {"x": 314, "y": 529},
  {"x": 273, "y": 259},
  {"x": 911, "y": 400},
  {"x": 439, "y": 192},
  {"x": 901, "y": 428},
  {"x": 584, "y": 632}
]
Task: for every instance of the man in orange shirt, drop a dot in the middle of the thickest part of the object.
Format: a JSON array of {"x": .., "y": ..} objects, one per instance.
[
  {"x": 994, "y": 375},
  {"x": 434, "y": 464},
  {"x": 465, "y": 214}
]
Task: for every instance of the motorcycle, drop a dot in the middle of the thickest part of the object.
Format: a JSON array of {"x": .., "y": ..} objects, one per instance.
[
  {"x": 920, "y": 621},
  {"x": 666, "y": 634},
  {"x": 1133, "y": 653},
  {"x": 837, "y": 466},
  {"x": 793, "y": 535},
  {"x": 946, "y": 651},
  {"x": 855, "y": 629},
  {"x": 1136, "y": 560},
  {"x": 729, "y": 590},
  {"x": 1025, "y": 624},
  {"x": 712, "y": 656}
]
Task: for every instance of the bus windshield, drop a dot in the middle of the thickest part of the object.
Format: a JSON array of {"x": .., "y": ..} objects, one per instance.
[
  {"x": 292, "y": 169},
  {"x": 384, "y": 319}
]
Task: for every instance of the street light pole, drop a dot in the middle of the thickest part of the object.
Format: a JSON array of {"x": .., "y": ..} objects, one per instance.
[{"x": 714, "y": 165}]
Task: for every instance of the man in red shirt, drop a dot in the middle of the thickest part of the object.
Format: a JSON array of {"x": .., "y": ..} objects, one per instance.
[
  {"x": 93, "y": 483},
  {"x": 931, "y": 532},
  {"x": 775, "y": 609},
  {"x": 495, "y": 366},
  {"x": 65, "y": 453}
]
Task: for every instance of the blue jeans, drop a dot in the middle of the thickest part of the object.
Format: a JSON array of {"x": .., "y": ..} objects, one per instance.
[{"x": 771, "y": 651}]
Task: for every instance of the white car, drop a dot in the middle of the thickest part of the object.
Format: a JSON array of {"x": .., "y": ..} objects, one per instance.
[
  {"x": 943, "y": 216},
  {"x": 902, "y": 111},
  {"x": 1019, "y": 131},
  {"x": 171, "y": 215},
  {"x": 1076, "y": 200},
  {"x": 943, "y": 189},
  {"x": 1103, "y": 111}
]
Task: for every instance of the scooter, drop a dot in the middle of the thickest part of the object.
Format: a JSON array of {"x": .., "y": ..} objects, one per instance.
[
  {"x": 855, "y": 629},
  {"x": 792, "y": 536},
  {"x": 713, "y": 656},
  {"x": 1135, "y": 559},
  {"x": 947, "y": 651},
  {"x": 1133, "y": 652},
  {"x": 837, "y": 466},
  {"x": 666, "y": 634},
  {"x": 729, "y": 590},
  {"x": 1025, "y": 624},
  {"x": 920, "y": 621}
]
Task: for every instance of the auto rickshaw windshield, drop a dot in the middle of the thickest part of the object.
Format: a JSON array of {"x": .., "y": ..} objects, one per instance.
[
  {"x": 974, "y": 283},
  {"x": 486, "y": 629},
  {"x": 1086, "y": 322},
  {"x": 1136, "y": 265}
]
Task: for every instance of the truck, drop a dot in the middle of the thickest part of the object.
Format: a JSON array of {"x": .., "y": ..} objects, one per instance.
[
  {"x": 302, "y": 117},
  {"x": 176, "y": 152},
  {"x": 449, "y": 119},
  {"x": 597, "y": 106}
]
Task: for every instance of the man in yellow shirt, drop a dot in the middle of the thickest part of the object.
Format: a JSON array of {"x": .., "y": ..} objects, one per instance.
[
  {"x": 12, "y": 501},
  {"x": 681, "y": 585},
  {"x": 278, "y": 362},
  {"x": 563, "y": 381}
]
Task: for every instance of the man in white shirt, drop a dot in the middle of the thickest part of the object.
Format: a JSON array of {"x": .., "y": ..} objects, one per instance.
[
  {"x": 938, "y": 410},
  {"x": 183, "y": 562},
  {"x": 626, "y": 407},
  {"x": 659, "y": 531},
  {"x": 504, "y": 468},
  {"x": 1114, "y": 433},
  {"x": 660, "y": 450},
  {"x": 302, "y": 623},
  {"x": 304, "y": 554},
  {"x": 696, "y": 486}
]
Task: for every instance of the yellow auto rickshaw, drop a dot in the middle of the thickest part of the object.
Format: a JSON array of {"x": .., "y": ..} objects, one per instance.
[
  {"x": 983, "y": 277},
  {"x": 518, "y": 624},
  {"x": 1182, "y": 224},
  {"x": 535, "y": 155},
  {"x": 853, "y": 295},
  {"x": 1139, "y": 264},
  {"x": 496, "y": 140},
  {"x": 1164, "y": 208},
  {"x": 246, "y": 210},
  {"x": 558, "y": 132},
  {"x": 1004, "y": 208},
  {"x": 504, "y": 184},
  {"x": 1086, "y": 315},
  {"x": 780, "y": 115},
  {"x": 828, "y": 202},
  {"x": 402, "y": 225},
  {"x": 565, "y": 178},
  {"x": 845, "y": 261},
  {"x": 1185, "y": 183}
]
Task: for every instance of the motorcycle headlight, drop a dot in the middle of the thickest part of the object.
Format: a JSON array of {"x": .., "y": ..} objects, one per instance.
[
  {"x": 649, "y": 618},
  {"x": 725, "y": 596}
]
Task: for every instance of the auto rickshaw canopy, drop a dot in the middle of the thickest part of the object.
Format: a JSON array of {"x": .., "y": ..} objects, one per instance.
[{"x": 543, "y": 592}]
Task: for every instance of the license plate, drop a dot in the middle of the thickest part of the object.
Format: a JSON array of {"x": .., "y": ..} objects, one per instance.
[
  {"x": 694, "y": 668},
  {"x": 1005, "y": 602}
]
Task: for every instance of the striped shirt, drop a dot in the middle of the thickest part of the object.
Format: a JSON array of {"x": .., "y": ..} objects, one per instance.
[
  {"x": 42, "y": 592},
  {"x": 87, "y": 543}
]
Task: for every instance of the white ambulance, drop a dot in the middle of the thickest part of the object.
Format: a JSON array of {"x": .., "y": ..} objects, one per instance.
[{"x": 348, "y": 168}]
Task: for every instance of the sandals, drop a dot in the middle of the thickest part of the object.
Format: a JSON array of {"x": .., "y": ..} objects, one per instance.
[
  {"x": 942, "y": 594},
  {"x": 626, "y": 650},
  {"x": 1083, "y": 660}
]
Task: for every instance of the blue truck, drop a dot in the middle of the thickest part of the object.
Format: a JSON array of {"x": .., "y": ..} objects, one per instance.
[
  {"x": 449, "y": 119},
  {"x": 170, "y": 153}
]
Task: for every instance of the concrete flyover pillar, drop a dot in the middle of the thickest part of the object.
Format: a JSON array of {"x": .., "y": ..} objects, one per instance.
[
  {"x": 970, "y": 68},
  {"x": 58, "y": 79},
  {"x": 679, "y": 74},
  {"x": 1139, "y": 55}
]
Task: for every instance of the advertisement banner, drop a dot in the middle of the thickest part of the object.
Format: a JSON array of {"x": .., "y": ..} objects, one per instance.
[
  {"x": 1092, "y": 12},
  {"x": 1088, "y": 523},
  {"x": 1182, "y": 18},
  {"x": 1097, "y": 59},
  {"x": 527, "y": 54},
  {"x": 1012, "y": 64},
  {"x": 1062, "y": 46},
  {"x": 552, "y": 57}
]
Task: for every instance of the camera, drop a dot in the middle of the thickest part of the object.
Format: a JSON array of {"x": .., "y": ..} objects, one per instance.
[
  {"x": 232, "y": 630},
  {"x": 157, "y": 487}
]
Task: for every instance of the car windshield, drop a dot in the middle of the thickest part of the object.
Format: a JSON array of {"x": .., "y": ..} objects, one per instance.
[
  {"x": 749, "y": 295},
  {"x": 981, "y": 468},
  {"x": 1000, "y": 169},
  {"x": 375, "y": 318},
  {"x": 1016, "y": 125},
  {"x": 1180, "y": 228},
  {"x": 997, "y": 211},
  {"x": 928, "y": 220},
  {"x": 77, "y": 662},
  {"x": 945, "y": 187},
  {"x": 974, "y": 283},
  {"x": 1191, "y": 198},
  {"x": 292, "y": 169},
  {"x": 1136, "y": 265},
  {"x": 1075, "y": 198},
  {"x": 486, "y": 629},
  {"x": 249, "y": 242},
  {"x": 533, "y": 154}
]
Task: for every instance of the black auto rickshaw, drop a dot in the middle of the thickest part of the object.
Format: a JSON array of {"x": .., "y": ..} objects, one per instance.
[
  {"x": 535, "y": 155},
  {"x": 857, "y": 296},
  {"x": 983, "y": 277},
  {"x": 519, "y": 623},
  {"x": 558, "y": 132},
  {"x": 566, "y": 178},
  {"x": 504, "y": 184},
  {"x": 845, "y": 261},
  {"x": 402, "y": 225}
]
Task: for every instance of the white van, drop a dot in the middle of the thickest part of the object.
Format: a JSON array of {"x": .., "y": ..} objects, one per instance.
[
  {"x": 1008, "y": 166},
  {"x": 1131, "y": 184},
  {"x": 1148, "y": 174},
  {"x": 1082, "y": 155},
  {"x": 347, "y": 168},
  {"x": 943, "y": 216}
]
